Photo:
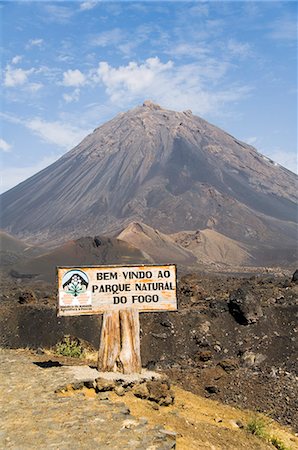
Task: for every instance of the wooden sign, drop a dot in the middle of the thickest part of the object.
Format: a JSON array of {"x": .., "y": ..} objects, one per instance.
[
  {"x": 120, "y": 293},
  {"x": 95, "y": 290}
]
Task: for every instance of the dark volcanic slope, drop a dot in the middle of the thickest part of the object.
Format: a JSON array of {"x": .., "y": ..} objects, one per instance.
[
  {"x": 170, "y": 170},
  {"x": 84, "y": 251}
]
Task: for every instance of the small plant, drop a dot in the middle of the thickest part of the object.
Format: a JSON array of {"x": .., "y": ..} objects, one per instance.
[
  {"x": 257, "y": 427},
  {"x": 277, "y": 443},
  {"x": 70, "y": 346}
]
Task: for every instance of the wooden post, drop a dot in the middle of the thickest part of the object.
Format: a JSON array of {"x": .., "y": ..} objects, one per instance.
[
  {"x": 130, "y": 354},
  {"x": 110, "y": 343},
  {"x": 120, "y": 342}
]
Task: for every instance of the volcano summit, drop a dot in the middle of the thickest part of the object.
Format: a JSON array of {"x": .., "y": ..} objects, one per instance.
[{"x": 170, "y": 170}]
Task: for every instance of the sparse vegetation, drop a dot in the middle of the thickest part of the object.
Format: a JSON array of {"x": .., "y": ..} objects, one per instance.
[
  {"x": 257, "y": 427},
  {"x": 277, "y": 443},
  {"x": 70, "y": 346}
]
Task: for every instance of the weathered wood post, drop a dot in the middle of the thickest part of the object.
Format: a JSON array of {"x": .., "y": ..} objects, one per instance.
[
  {"x": 120, "y": 293},
  {"x": 110, "y": 343},
  {"x": 120, "y": 342}
]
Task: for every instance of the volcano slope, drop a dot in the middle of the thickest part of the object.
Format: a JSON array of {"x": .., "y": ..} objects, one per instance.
[
  {"x": 84, "y": 251},
  {"x": 170, "y": 170}
]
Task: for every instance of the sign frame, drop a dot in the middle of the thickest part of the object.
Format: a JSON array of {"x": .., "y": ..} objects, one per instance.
[{"x": 116, "y": 266}]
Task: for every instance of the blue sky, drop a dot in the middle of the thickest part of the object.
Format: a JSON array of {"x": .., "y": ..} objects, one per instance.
[{"x": 67, "y": 67}]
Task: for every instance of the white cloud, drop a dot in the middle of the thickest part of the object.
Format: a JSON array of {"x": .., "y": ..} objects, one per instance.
[
  {"x": 73, "y": 97},
  {"x": 84, "y": 6},
  {"x": 131, "y": 79},
  {"x": 4, "y": 146},
  {"x": 34, "y": 43},
  {"x": 189, "y": 86},
  {"x": 73, "y": 78},
  {"x": 16, "y": 77},
  {"x": 11, "y": 176},
  {"x": 16, "y": 59},
  {"x": 57, "y": 133}
]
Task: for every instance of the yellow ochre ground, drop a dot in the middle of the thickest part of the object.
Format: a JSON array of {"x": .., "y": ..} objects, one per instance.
[{"x": 201, "y": 423}]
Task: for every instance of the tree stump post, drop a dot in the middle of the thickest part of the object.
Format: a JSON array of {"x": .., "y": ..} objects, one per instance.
[{"x": 119, "y": 348}]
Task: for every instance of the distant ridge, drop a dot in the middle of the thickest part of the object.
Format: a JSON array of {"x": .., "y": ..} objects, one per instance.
[
  {"x": 84, "y": 251},
  {"x": 158, "y": 246},
  {"x": 209, "y": 246}
]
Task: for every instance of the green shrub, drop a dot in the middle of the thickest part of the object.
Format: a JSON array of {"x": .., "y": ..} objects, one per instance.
[
  {"x": 277, "y": 443},
  {"x": 70, "y": 346},
  {"x": 257, "y": 427}
]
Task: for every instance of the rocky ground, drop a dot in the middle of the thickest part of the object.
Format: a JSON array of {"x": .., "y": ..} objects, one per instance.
[
  {"x": 34, "y": 415},
  {"x": 54, "y": 403},
  {"x": 234, "y": 338}
]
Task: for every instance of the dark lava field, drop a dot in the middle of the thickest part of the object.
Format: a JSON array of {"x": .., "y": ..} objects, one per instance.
[{"x": 233, "y": 338}]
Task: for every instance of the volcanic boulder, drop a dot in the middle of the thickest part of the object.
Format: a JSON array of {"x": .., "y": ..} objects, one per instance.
[{"x": 244, "y": 306}]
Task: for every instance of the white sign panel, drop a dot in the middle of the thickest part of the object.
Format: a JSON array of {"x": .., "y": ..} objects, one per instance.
[{"x": 94, "y": 290}]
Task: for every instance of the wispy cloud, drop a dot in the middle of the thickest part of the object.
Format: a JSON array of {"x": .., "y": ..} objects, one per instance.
[
  {"x": 16, "y": 59},
  {"x": 4, "y": 146},
  {"x": 239, "y": 49},
  {"x": 201, "y": 9},
  {"x": 59, "y": 133},
  {"x": 191, "y": 50},
  {"x": 72, "y": 97},
  {"x": 284, "y": 29},
  {"x": 108, "y": 38},
  {"x": 284, "y": 158},
  {"x": 280, "y": 156},
  {"x": 127, "y": 43},
  {"x": 34, "y": 43},
  {"x": 58, "y": 13},
  {"x": 11, "y": 175},
  {"x": 86, "y": 6},
  {"x": 252, "y": 140}
]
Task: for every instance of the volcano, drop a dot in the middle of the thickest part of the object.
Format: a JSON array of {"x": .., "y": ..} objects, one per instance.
[{"x": 170, "y": 170}]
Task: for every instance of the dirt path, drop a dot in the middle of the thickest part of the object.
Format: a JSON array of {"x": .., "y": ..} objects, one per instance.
[{"x": 35, "y": 417}]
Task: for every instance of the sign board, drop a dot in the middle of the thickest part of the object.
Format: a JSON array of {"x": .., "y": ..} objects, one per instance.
[{"x": 95, "y": 290}]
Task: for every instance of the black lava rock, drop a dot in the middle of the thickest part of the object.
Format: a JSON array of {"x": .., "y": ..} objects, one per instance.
[
  {"x": 295, "y": 277},
  {"x": 244, "y": 306}
]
